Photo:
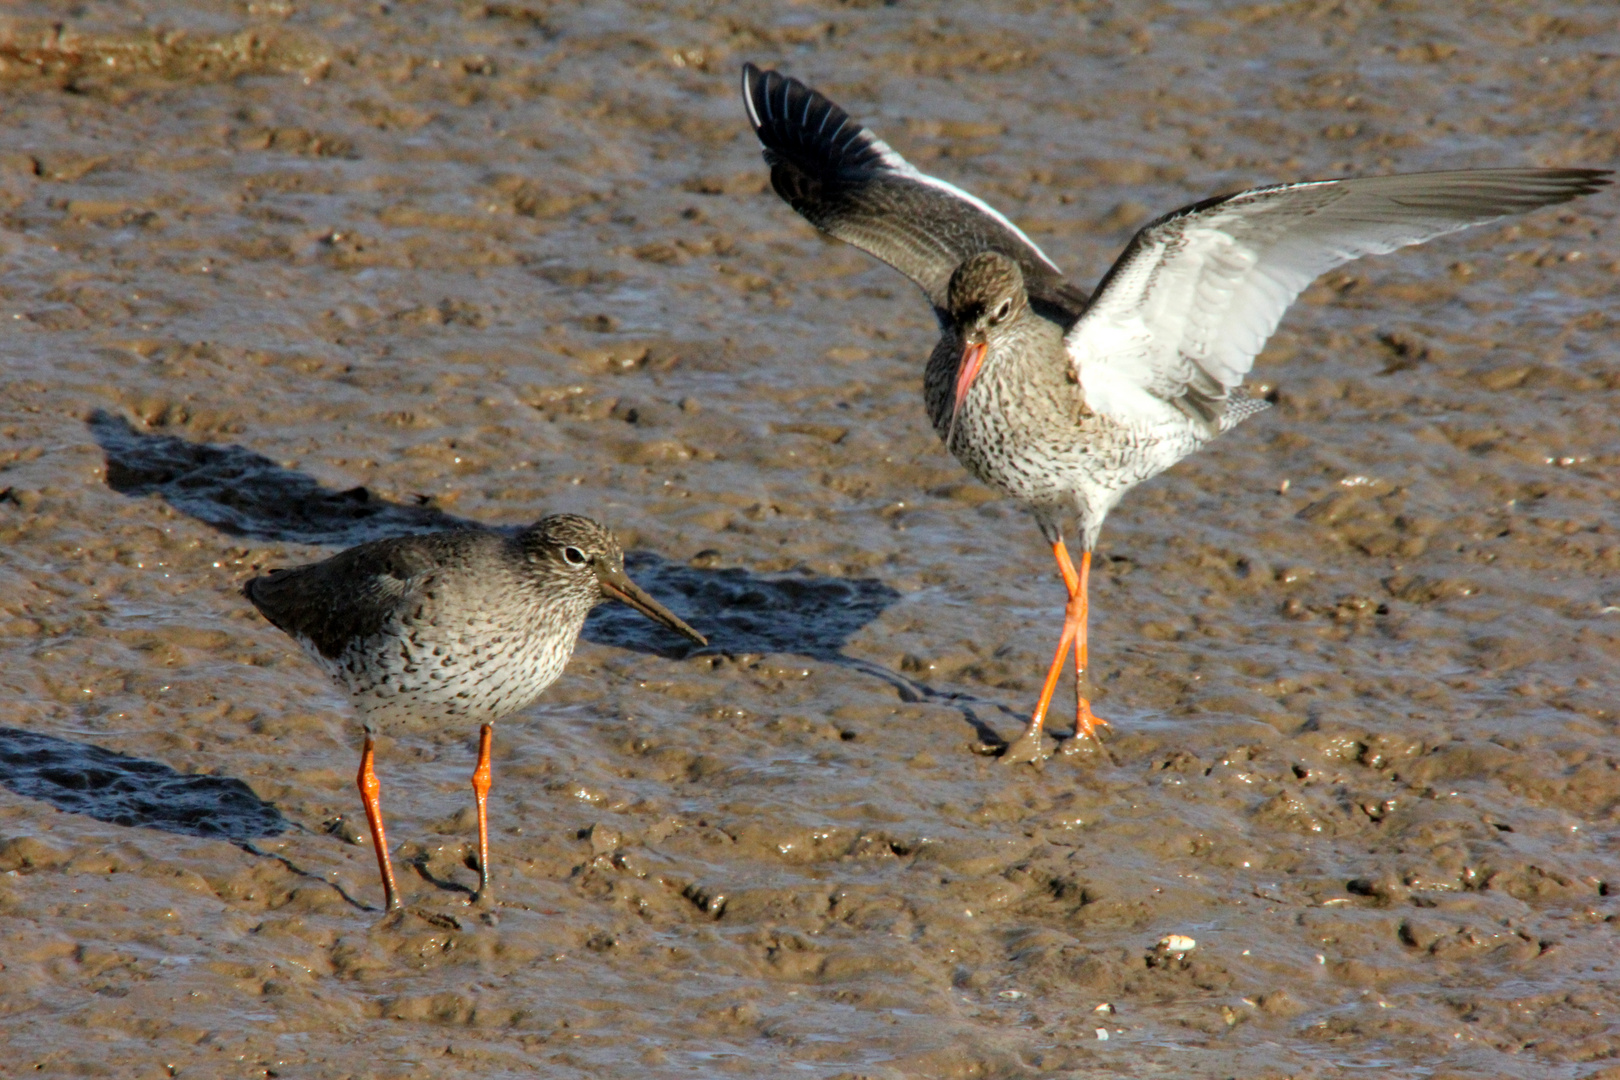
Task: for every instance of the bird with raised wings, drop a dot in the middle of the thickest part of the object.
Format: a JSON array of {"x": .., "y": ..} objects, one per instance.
[{"x": 1064, "y": 401}]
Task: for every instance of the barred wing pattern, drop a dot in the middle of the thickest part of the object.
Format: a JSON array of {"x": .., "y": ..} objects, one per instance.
[{"x": 849, "y": 183}]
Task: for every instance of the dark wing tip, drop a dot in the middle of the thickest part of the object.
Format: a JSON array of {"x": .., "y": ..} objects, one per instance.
[
  {"x": 1464, "y": 192},
  {"x": 1546, "y": 187},
  {"x": 1493, "y": 192},
  {"x": 804, "y": 128},
  {"x": 1596, "y": 177},
  {"x": 1578, "y": 182}
]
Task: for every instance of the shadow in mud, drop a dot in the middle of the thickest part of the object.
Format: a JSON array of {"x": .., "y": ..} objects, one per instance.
[
  {"x": 81, "y": 778},
  {"x": 244, "y": 493},
  {"x": 744, "y": 612},
  {"x": 741, "y": 612}
]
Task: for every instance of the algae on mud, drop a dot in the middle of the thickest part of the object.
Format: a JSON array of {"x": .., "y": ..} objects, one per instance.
[{"x": 502, "y": 260}]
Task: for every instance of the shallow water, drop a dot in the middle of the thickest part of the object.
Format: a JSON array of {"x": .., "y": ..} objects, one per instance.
[{"x": 302, "y": 276}]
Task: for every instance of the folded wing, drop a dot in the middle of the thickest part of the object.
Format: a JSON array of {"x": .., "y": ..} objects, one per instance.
[
  {"x": 350, "y": 596},
  {"x": 1179, "y": 318},
  {"x": 849, "y": 183}
]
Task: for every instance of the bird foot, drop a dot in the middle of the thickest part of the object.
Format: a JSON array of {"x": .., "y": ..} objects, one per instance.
[
  {"x": 413, "y": 918},
  {"x": 1086, "y": 722},
  {"x": 393, "y": 918},
  {"x": 1086, "y": 740},
  {"x": 1028, "y": 748}
]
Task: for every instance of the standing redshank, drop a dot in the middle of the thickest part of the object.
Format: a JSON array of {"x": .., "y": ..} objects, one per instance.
[
  {"x": 463, "y": 626},
  {"x": 1064, "y": 402}
]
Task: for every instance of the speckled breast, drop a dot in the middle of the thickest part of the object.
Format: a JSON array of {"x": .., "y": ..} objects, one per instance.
[
  {"x": 1031, "y": 437},
  {"x": 472, "y": 670}
]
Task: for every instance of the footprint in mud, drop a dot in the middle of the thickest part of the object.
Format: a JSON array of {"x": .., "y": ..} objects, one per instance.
[{"x": 81, "y": 778}]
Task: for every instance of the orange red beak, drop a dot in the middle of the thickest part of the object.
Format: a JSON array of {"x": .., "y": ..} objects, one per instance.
[{"x": 966, "y": 371}]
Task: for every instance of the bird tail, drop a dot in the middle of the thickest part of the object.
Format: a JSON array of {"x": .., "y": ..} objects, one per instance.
[{"x": 268, "y": 593}]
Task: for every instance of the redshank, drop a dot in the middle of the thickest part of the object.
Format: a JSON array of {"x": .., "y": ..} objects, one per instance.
[
  {"x": 464, "y": 626},
  {"x": 1064, "y": 402}
]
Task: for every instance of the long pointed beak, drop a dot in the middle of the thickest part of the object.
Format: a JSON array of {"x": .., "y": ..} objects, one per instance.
[
  {"x": 966, "y": 371},
  {"x": 616, "y": 585}
]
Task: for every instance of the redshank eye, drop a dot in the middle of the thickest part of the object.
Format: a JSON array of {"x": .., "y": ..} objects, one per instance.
[
  {"x": 574, "y": 556},
  {"x": 1002, "y": 312}
]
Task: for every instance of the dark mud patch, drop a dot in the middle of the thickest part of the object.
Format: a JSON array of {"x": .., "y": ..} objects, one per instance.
[
  {"x": 801, "y": 613},
  {"x": 81, "y": 778}
]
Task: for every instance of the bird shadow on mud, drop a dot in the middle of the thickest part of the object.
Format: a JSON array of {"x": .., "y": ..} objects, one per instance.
[
  {"x": 81, "y": 778},
  {"x": 243, "y": 493},
  {"x": 797, "y": 613}
]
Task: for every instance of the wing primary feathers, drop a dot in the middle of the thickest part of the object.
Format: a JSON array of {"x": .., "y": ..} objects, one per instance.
[
  {"x": 847, "y": 182},
  {"x": 1180, "y": 316}
]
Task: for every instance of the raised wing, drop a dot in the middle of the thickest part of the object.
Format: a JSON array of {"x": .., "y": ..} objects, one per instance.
[
  {"x": 849, "y": 183},
  {"x": 1180, "y": 316}
]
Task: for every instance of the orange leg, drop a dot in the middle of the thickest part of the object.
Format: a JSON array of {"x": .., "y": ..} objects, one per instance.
[
  {"x": 1028, "y": 747},
  {"x": 370, "y": 789},
  {"x": 1075, "y": 581},
  {"x": 480, "y": 784},
  {"x": 1086, "y": 722}
]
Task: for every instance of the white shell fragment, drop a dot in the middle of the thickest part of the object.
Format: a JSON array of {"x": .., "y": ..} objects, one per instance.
[{"x": 1176, "y": 943}]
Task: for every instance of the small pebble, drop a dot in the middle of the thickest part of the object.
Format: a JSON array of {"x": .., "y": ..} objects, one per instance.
[{"x": 1176, "y": 943}]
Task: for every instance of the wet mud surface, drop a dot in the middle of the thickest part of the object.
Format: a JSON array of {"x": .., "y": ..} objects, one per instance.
[{"x": 278, "y": 278}]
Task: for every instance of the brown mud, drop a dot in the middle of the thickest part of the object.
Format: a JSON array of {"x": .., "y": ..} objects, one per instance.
[{"x": 278, "y": 277}]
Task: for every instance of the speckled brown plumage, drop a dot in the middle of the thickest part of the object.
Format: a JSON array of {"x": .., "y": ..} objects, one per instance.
[{"x": 465, "y": 626}]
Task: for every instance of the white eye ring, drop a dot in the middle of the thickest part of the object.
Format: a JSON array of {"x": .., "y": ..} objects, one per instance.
[
  {"x": 574, "y": 557},
  {"x": 1002, "y": 312}
]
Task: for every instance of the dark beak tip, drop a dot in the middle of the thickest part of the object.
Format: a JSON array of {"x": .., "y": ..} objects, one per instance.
[
  {"x": 689, "y": 633},
  {"x": 628, "y": 592}
]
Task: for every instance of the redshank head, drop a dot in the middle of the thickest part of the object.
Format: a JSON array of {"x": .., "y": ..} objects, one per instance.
[
  {"x": 585, "y": 554},
  {"x": 986, "y": 294}
]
